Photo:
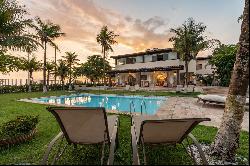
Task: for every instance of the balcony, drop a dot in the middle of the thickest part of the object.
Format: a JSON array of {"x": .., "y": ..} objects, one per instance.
[{"x": 149, "y": 65}]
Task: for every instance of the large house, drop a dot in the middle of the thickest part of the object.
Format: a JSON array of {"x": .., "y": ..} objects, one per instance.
[{"x": 154, "y": 67}]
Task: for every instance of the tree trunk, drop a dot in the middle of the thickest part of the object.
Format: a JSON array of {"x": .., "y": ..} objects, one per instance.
[
  {"x": 227, "y": 139},
  {"x": 55, "y": 65},
  {"x": 48, "y": 73},
  {"x": 70, "y": 75},
  {"x": 30, "y": 82},
  {"x": 186, "y": 75},
  {"x": 29, "y": 73},
  {"x": 104, "y": 67},
  {"x": 62, "y": 83},
  {"x": 44, "y": 69}
]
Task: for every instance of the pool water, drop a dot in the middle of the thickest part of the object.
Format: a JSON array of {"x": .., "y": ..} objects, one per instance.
[{"x": 148, "y": 105}]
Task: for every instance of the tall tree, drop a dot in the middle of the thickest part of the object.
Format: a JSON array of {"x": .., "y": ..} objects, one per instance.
[
  {"x": 47, "y": 31},
  {"x": 55, "y": 65},
  {"x": 13, "y": 27},
  {"x": 71, "y": 60},
  {"x": 227, "y": 138},
  {"x": 93, "y": 68},
  {"x": 62, "y": 71},
  {"x": 31, "y": 65},
  {"x": 223, "y": 59},
  {"x": 189, "y": 40},
  {"x": 106, "y": 39},
  {"x": 49, "y": 68}
]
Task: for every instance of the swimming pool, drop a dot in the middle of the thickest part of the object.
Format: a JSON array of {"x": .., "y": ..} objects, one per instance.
[{"x": 148, "y": 105}]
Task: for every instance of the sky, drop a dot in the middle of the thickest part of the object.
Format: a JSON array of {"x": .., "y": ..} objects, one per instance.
[{"x": 140, "y": 24}]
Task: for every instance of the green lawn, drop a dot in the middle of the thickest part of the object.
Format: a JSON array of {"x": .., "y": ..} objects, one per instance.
[{"x": 32, "y": 151}]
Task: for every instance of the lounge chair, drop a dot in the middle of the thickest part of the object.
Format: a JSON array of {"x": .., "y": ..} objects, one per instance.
[
  {"x": 154, "y": 130},
  {"x": 127, "y": 87},
  {"x": 215, "y": 99},
  {"x": 136, "y": 88},
  {"x": 84, "y": 126}
]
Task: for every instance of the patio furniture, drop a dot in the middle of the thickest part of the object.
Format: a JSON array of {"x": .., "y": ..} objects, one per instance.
[
  {"x": 84, "y": 126},
  {"x": 155, "y": 130},
  {"x": 136, "y": 88},
  {"x": 79, "y": 87},
  {"x": 127, "y": 87},
  {"x": 214, "y": 99}
]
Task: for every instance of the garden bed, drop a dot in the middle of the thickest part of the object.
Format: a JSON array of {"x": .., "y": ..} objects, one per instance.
[{"x": 18, "y": 139}]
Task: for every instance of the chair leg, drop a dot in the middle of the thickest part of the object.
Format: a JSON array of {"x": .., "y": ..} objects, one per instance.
[
  {"x": 58, "y": 155},
  {"x": 46, "y": 155},
  {"x": 190, "y": 155},
  {"x": 144, "y": 153},
  {"x": 112, "y": 146},
  {"x": 103, "y": 149},
  {"x": 191, "y": 152},
  {"x": 202, "y": 155},
  {"x": 135, "y": 155}
]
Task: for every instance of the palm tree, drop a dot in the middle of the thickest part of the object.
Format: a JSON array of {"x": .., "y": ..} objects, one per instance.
[
  {"x": 227, "y": 138},
  {"x": 62, "y": 71},
  {"x": 55, "y": 65},
  {"x": 31, "y": 66},
  {"x": 106, "y": 39},
  {"x": 71, "y": 60},
  {"x": 13, "y": 28},
  {"x": 189, "y": 41},
  {"x": 47, "y": 31},
  {"x": 49, "y": 68}
]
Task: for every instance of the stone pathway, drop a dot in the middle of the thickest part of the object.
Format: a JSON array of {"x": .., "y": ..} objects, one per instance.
[{"x": 187, "y": 107}]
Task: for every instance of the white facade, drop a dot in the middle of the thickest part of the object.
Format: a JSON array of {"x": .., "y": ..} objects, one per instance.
[
  {"x": 131, "y": 68},
  {"x": 203, "y": 67}
]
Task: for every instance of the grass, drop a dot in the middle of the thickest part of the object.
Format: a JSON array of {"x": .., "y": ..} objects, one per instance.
[{"x": 32, "y": 151}]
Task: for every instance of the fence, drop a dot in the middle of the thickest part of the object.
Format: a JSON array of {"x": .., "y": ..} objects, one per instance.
[{"x": 20, "y": 82}]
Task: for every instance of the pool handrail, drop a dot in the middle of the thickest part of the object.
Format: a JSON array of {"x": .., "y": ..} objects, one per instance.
[
  {"x": 131, "y": 106},
  {"x": 145, "y": 106}
]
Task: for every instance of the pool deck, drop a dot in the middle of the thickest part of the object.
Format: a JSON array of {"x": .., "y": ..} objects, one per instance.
[
  {"x": 182, "y": 107},
  {"x": 188, "y": 107}
]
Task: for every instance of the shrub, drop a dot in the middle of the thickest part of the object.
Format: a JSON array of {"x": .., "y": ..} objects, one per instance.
[
  {"x": 22, "y": 125},
  {"x": 34, "y": 88}
]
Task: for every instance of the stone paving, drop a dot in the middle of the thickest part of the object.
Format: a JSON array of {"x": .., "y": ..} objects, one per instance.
[{"x": 187, "y": 107}]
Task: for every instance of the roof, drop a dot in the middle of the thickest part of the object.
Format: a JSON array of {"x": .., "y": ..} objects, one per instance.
[
  {"x": 204, "y": 58},
  {"x": 147, "y": 52}
]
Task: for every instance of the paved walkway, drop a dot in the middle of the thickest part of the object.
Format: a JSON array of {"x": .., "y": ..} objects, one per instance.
[{"x": 183, "y": 107}]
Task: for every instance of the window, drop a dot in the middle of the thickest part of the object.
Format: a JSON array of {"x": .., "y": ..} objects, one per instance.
[
  {"x": 130, "y": 60},
  {"x": 165, "y": 57},
  {"x": 121, "y": 61},
  {"x": 143, "y": 77},
  {"x": 160, "y": 57},
  {"x": 154, "y": 58},
  {"x": 198, "y": 66}
]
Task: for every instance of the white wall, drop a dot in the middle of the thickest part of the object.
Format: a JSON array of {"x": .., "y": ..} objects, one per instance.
[
  {"x": 206, "y": 68},
  {"x": 191, "y": 66}
]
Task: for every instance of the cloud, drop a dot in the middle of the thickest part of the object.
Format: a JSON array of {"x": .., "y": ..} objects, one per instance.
[{"x": 81, "y": 20}]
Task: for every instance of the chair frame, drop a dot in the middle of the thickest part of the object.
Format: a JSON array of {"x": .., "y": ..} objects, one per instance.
[
  {"x": 112, "y": 143},
  {"x": 187, "y": 135}
]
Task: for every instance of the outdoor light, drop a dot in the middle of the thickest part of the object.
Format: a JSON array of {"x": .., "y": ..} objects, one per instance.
[{"x": 175, "y": 74}]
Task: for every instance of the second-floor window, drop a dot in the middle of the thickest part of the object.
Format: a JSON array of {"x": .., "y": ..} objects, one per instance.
[
  {"x": 198, "y": 66},
  {"x": 130, "y": 60},
  {"x": 160, "y": 57}
]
